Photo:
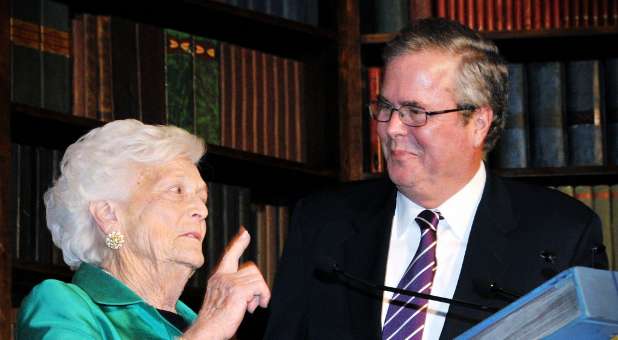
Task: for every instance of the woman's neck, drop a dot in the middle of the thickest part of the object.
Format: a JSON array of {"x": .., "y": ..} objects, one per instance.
[{"x": 159, "y": 284}]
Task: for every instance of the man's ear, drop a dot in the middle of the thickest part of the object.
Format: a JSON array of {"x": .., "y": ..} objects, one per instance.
[
  {"x": 482, "y": 119},
  {"x": 104, "y": 215}
]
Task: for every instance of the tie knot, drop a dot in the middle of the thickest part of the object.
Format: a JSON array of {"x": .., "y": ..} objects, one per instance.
[{"x": 428, "y": 219}]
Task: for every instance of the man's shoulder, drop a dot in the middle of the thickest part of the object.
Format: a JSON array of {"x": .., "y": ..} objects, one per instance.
[
  {"x": 353, "y": 195},
  {"x": 532, "y": 197}
]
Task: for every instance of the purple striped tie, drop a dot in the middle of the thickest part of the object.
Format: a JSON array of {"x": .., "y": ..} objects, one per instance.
[{"x": 405, "y": 317}]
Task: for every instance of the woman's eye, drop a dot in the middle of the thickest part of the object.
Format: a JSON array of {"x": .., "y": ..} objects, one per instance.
[{"x": 176, "y": 190}]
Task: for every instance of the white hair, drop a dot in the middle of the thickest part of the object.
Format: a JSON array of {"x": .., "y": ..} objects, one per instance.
[{"x": 98, "y": 167}]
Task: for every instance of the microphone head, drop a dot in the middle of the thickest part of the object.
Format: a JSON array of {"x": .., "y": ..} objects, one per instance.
[{"x": 326, "y": 264}]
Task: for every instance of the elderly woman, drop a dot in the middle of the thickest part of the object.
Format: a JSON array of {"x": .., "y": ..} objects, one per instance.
[{"x": 128, "y": 212}]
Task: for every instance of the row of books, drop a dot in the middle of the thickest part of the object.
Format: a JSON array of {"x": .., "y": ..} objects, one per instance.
[
  {"x": 305, "y": 11},
  {"x": 229, "y": 207},
  {"x": 112, "y": 68},
  {"x": 529, "y": 15},
  {"x": 603, "y": 199},
  {"x": 494, "y": 15},
  {"x": 561, "y": 113}
]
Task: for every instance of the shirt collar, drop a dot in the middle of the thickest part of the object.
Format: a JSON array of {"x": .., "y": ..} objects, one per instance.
[
  {"x": 459, "y": 210},
  {"x": 105, "y": 289}
]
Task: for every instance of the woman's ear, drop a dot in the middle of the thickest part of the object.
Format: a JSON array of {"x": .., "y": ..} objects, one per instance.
[{"x": 104, "y": 215}]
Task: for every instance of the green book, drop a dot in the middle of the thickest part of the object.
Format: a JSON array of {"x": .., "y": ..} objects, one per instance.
[
  {"x": 206, "y": 90},
  {"x": 179, "y": 79}
]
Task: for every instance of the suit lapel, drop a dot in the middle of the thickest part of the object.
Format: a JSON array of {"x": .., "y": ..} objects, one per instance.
[
  {"x": 484, "y": 261},
  {"x": 365, "y": 253}
]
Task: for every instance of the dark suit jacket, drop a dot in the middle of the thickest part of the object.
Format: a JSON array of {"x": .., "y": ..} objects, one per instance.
[{"x": 513, "y": 225}]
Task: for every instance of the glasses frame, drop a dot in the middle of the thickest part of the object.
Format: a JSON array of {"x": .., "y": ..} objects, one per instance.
[{"x": 392, "y": 108}]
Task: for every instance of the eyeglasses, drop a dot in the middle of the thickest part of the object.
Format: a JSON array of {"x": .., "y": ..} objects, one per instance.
[{"x": 382, "y": 111}]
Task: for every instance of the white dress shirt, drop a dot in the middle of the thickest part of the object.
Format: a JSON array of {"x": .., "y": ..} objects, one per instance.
[{"x": 452, "y": 237}]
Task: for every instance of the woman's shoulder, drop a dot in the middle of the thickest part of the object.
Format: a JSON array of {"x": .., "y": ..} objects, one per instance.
[{"x": 57, "y": 307}]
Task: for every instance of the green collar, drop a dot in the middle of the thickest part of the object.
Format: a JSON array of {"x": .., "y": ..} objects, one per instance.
[{"x": 102, "y": 287}]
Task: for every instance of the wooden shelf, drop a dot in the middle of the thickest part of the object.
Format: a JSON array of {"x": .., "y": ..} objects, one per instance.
[
  {"x": 221, "y": 21},
  {"x": 584, "y": 43},
  {"x": 584, "y": 175},
  {"x": 266, "y": 175}
]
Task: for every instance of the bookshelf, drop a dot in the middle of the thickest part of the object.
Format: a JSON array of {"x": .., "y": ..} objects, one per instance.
[{"x": 272, "y": 181}]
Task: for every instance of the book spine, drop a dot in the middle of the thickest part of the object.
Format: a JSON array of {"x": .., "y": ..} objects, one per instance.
[
  {"x": 518, "y": 14},
  {"x": 374, "y": 76},
  {"x": 391, "y": 15},
  {"x": 125, "y": 69},
  {"x": 614, "y": 220},
  {"x": 545, "y": 104},
  {"x": 254, "y": 94},
  {"x": 583, "y": 109},
  {"x": 79, "y": 67},
  {"x": 513, "y": 147},
  {"x": 151, "y": 73},
  {"x": 206, "y": 91},
  {"x": 499, "y": 21},
  {"x": 491, "y": 15},
  {"x": 25, "y": 35},
  {"x": 420, "y": 9},
  {"x": 104, "y": 55},
  {"x": 179, "y": 79},
  {"x": 480, "y": 15},
  {"x": 56, "y": 56},
  {"x": 91, "y": 66},
  {"x": 611, "y": 105}
]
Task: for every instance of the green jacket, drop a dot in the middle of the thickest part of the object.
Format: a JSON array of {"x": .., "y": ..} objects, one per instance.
[{"x": 94, "y": 306}]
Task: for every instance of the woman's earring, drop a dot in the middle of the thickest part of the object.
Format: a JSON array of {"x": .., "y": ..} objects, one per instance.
[{"x": 114, "y": 240}]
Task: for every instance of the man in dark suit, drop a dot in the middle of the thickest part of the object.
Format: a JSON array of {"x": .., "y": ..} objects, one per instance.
[{"x": 441, "y": 224}]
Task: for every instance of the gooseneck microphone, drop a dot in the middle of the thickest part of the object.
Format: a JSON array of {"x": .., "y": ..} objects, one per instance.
[{"x": 329, "y": 265}]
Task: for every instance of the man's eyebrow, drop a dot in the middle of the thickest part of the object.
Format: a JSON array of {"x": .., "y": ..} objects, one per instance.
[{"x": 412, "y": 103}]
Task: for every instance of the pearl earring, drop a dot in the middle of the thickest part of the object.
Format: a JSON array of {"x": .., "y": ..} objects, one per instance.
[{"x": 114, "y": 240}]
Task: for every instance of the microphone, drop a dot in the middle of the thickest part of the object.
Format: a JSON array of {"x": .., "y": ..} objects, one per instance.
[
  {"x": 329, "y": 265},
  {"x": 491, "y": 289}
]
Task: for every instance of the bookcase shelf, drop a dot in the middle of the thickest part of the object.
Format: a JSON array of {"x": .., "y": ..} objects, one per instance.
[
  {"x": 223, "y": 22},
  {"x": 521, "y": 46}
]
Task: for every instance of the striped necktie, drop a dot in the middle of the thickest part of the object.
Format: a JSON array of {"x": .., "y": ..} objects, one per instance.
[{"x": 405, "y": 317}]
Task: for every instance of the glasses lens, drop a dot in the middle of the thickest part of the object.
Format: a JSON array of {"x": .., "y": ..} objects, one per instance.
[{"x": 412, "y": 116}]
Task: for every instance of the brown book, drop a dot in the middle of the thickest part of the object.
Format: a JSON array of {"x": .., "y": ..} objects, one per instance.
[
  {"x": 282, "y": 141},
  {"x": 420, "y": 9},
  {"x": 79, "y": 67},
  {"x": 547, "y": 15},
  {"x": 288, "y": 109},
  {"x": 480, "y": 15},
  {"x": 518, "y": 14},
  {"x": 527, "y": 15},
  {"x": 91, "y": 68},
  {"x": 499, "y": 16},
  {"x": 235, "y": 94},
  {"x": 585, "y": 13},
  {"x": 374, "y": 77},
  {"x": 263, "y": 103},
  {"x": 452, "y": 9},
  {"x": 271, "y": 106},
  {"x": 298, "y": 117},
  {"x": 104, "y": 56},
  {"x": 614, "y": 12},
  {"x": 537, "y": 15},
  {"x": 556, "y": 17},
  {"x": 151, "y": 73},
  {"x": 125, "y": 72},
  {"x": 594, "y": 13},
  {"x": 604, "y": 13},
  {"x": 491, "y": 15},
  {"x": 441, "y": 8},
  {"x": 470, "y": 14},
  {"x": 243, "y": 99},
  {"x": 276, "y": 107},
  {"x": 225, "y": 81},
  {"x": 576, "y": 13},
  {"x": 461, "y": 11},
  {"x": 271, "y": 243},
  {"x": 508, "y": 15},
  {"x": 566, "y": 14},
  {"x": 254, "y": 110}
]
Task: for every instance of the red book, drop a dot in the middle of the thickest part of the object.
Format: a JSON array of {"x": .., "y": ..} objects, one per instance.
[
  {"x": 566, "y": 15},
  {"x": 585, "y": 13},
  {"x": 508, "y": 15},
  {"x": 490, "y": 15},
  {"x": 375, "y": 151},
  {"x": 480, "y": 12},
  {"x": 441, "y": 8},
  {"x": 420, "y": 9},
  {"x": 461, "y": 12},
  {"x": 527, "y": 15},
  {"x": 594, "y": 13},
  {"x": 470, "y": 15},
  {"x": 547, "y": 14},
  {"x": 614, "y": 12},
  {"x": 518, "y": 12},
  {"x": 575, "y": 12},
  {"x": 499, "y": 21},
  {"x": 537, "y": 12},
  {"x": 555, "y": 13},
  {"x": 604, "y": 14},
  {"x": 452, "y": 10}
]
